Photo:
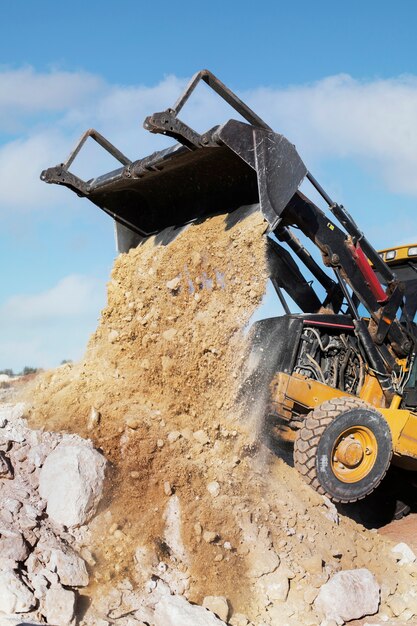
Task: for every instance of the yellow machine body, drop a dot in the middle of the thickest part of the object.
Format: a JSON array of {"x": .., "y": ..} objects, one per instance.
[{"x": 297, "y": 393}]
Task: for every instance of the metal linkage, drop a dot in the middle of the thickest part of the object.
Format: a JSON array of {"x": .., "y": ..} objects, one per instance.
[
  {"x": 353, "y": 230},
  {"x": 102, "y": 141},
  {"x": 224, "y": 92},
  {"x": 61, "y": 175}
]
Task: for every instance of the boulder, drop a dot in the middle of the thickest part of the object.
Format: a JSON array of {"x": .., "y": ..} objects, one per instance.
[
  {"x": 39, "y": 585},
  {"x": 15, "y": 597},
  {"x": 70, "y": 568},
  {"x": 275, "y": 585},
  {"x": 71, "y": 482},
  {"x": 175, "y": 610},
  {"x": 13, "y": 427},
  {"x": 217, "y": 605},
  {"x": 348, "y": 595},
  {"x": 6, "y": 469},
  {"x": 11, "y": 412},
  {"x": 403, "y": 553},
  {"x": 59, "y": 606},
  {"x": 262, "y": 560},
  {"x": 13, "y": 546}
]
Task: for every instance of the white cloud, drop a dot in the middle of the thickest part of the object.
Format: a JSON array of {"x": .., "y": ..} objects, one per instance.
[
  {"x": 21, "y": 162},
  {"x": 374, "y": 122},
  {"x": 43, "y": 328},
  {"x": 24, "y": 91},
  {"x": 74, "y": 295}
]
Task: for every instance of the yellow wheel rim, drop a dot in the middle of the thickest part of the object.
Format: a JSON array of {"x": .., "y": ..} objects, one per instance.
[{"x": 354, "y": 454}]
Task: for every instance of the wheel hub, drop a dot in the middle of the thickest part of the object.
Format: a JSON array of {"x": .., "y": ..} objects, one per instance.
[
  {"x": 354, "y": 454},
  {"x": 349, "y": 452}
]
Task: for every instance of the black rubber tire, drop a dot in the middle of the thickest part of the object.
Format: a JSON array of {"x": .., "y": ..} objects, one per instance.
[{"x": 314, "y": 444}]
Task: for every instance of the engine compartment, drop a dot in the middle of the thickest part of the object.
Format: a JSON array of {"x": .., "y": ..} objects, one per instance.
[{"x": 331, "y": 358}]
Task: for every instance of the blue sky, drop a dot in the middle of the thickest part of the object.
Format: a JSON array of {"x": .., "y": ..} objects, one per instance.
[{"x": 339, "y": 79}]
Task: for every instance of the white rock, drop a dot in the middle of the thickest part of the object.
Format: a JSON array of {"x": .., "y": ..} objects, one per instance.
[
  {"x": 348, "y": 595},
  {"x": 113, "y": 336},
  {"x": 403, "y": 553},
  {"x": 331, "y": 512},
  {"x": 12, "y": 412},
  {"x": 6, "y": 469},
  {"x": 176, "y": 611},
  {"x": 210, "y": 536},
  {"x": 12, "y": 505},
  {"x": 14, "y": 428},
  {"x": 173, "y": 436},
  {"x": 93, "y": 419},
  {"x": 213, "y": 488},
  {"x": 173, "y": 529},
  {"x": 39, "y": 584},
  {"x": 14, "y": 434},
  {"x": 144, "y": 559},
  {"x": 51, "y": 577},
  {"x": 38, "y": 453},
  {"x": 70, "y": 568},
  {"x": 15, "y": 597},
  {"x": 217, "y": 605},
  {"x": 59, "y": 606},
  {"x": 275, "y": 585},
  {"x": 71, "y": 482},
  {"x": 168, "y": 491},
  {"x": 178, "y": 581},
  {"x": 201, "y": 436},
  {"x": 169, "y": 334},
  {"x": 174, "y": 284},
  {"x": 262, "y": 560},
  {"x": 14, "y": 547}
]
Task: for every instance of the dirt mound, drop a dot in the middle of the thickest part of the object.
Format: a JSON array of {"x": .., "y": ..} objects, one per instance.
[{"x": 193, "y": 499}]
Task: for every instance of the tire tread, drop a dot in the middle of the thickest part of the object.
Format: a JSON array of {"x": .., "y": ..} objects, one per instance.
[{"x": 311, "y": 432}]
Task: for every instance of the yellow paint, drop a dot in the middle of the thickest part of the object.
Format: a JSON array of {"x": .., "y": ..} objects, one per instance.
[
  {"x": 310, "y": 393},
  {"x": 371, "y": 391},
  {"x": 401, "y": 253},
  {"x": 395, "y": 402},
  {"x": 403, "y": 425}
]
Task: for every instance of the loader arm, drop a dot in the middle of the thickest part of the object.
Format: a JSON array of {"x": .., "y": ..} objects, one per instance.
[{"x": 247, "y": 163}]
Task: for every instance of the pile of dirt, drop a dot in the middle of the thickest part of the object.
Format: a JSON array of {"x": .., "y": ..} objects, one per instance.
[
  {"x": 50, "y": 484},
  {"x": 193, "y": 498}
]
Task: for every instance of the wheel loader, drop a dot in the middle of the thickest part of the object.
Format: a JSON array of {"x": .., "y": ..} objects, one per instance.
[{"x": 339, "y": 369}]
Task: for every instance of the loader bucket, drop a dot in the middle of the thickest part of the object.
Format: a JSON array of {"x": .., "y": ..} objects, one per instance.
[{"x": 227, "y": 167}]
